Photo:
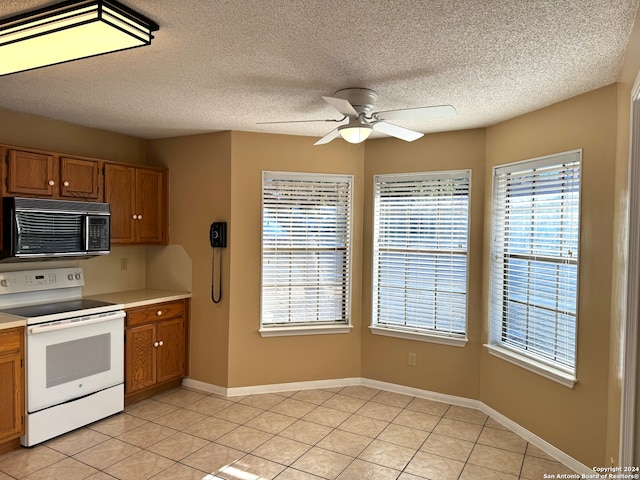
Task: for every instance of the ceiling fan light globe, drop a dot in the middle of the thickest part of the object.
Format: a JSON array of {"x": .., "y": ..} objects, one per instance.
[{"x": 355, "y": 134}]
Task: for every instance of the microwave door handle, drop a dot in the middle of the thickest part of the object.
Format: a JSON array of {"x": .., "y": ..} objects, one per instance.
[
  {"x": 86, "y": 233},
  {"x": 62, "y": 326}
]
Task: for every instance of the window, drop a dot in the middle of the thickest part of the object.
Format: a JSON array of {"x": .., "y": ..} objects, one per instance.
[
  {"x": 534, "y": 264},
  {"x": 306, "y": 253},
  {"x": 421, "y": 229}
]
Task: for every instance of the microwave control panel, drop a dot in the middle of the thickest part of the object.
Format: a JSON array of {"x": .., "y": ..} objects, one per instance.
[{"x": 97, "y": 233}]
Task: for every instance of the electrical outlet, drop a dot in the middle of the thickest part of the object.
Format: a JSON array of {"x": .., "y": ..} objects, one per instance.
[
  {"x": 412, "y": 360},
  {"x": 124, "y": 263}
]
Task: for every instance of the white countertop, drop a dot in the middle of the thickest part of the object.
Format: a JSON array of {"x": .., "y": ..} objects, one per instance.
[
  {"x": 140, "y": 298},
  {"x": 129, "y": 298},
  {"x": 12, "y": 322}
]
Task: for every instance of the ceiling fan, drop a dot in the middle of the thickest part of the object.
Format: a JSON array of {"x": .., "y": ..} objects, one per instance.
[{"x": 357, "y": 104}]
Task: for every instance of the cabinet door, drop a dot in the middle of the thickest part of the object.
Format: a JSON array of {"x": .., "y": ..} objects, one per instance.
[
  {"x": 11, "y": 383},
  {"x": 119, "y": 192},
  {"x": 11, "y": 388},
  {"x": 171, "y": 353},
  {"x": 140, "y": 358},
  {"x": 79, "y": 178},
  {"x": 150, "y": 206},
  {"x": 31, "y": 174}
]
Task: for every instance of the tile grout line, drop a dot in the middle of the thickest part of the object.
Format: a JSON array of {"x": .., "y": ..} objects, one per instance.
[{"x": 262, "y": 409}]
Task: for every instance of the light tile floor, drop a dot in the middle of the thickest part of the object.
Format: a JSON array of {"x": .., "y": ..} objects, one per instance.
[{"x": 345, "y": 433}]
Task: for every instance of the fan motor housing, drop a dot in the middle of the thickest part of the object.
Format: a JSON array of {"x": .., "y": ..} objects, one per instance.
[{"x": 362, "y": 99}]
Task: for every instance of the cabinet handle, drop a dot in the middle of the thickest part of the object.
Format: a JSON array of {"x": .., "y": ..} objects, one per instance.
[
  {"x": 155, "y": 344},
  {"x": 139, "y": 217},
  {"x": 159, "y": 312},
  {"x": 135, "y": 217},
  {"x": 161, "y": 343},
  {"x": 66, "y": 184},
  {"x": 52, "y": 183}
]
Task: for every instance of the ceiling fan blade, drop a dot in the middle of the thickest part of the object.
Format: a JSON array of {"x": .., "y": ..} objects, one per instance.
[
  {"x": 328, "y": 137},
  {"x": 300, "y": 121},
  {"x": 396, "y": 131},
  {"x": 419, "y": 113},
  {"x": 342, "y": 105}
]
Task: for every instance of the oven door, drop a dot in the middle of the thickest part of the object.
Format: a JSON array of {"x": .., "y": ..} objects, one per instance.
[{"x": 72, "y": 358}]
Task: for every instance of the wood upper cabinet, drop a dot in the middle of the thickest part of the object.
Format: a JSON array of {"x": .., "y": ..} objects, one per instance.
[
  {"x": 47, "y": 175},
  {"x": 120, "y": 194},
  {"x": 156, "y": 345},
  {"x": 150, "y": 206},
  {"x": 30, "y": 173},
  {"x": 79, "y": 178},
  {"x": 137, "y": 196},
  {"x": 11, "y": 383}
]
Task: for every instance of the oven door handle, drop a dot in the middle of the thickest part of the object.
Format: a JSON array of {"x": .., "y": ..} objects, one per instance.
[{"x": 74, "y": 324}]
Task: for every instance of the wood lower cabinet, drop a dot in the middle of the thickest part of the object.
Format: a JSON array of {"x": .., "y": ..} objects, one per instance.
[
  {"x": 155, "y": 345},
  {"x": 140, "y": 358},
  {"x": 11, "y": 384},
  {"x": 138, "y": 204},
  {"x": 41, "y": 174}
]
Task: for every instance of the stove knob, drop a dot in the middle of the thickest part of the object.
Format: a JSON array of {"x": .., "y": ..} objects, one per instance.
[
  {"x": 70, "y": 276},
  {"x": 4, "y": 282},
  {"x": 78, "y": 276}
]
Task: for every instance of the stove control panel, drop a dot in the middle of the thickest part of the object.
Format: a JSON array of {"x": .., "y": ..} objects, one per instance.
[{"x": 45, "y": 279}]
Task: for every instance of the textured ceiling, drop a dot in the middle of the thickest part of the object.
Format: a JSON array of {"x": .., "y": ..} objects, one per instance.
[{"x": 228, "y": 64}]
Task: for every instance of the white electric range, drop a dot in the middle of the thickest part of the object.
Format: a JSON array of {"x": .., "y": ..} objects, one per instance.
[{"x": 74, "y": 351}]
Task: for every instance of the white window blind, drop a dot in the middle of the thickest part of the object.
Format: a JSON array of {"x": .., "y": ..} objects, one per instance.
[
  {"x": 421, "y": 227},
  {"x": 534, "y": 259},
  {"x": 306, "y": 254}
]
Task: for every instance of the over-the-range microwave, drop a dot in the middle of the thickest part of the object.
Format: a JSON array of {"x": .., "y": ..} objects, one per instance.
[{"x": 42, "y": 229}]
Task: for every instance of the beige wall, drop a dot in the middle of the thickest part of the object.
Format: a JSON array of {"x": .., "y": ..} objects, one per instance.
[
  {"x": 254, "y": 360},
  {"x": 199, "y": 193},
  {"x": 217, "y": 177},
  {"x": 102, "y": 274},
  {"x": 445, "y": 369},
  {"x": 627, "y": 78},
  {"x": 24, "y": 130},
  {"x": 574, "y": 420},
  {"x": 220, "y": 174}
]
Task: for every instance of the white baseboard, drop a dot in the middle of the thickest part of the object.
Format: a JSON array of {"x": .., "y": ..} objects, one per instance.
[
  {"x": 416, "y": 392},
  {"x": 543, "y": 445},
  {"x": 530, "y": 437},
  {"x": 205, "y": 387}
]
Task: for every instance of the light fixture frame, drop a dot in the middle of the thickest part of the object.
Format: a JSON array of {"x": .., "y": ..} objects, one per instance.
[{"x": 109, "y": 12}]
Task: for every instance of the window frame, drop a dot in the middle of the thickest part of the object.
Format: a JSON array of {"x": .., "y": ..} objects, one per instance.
[
  {"x": 496, "y": 347},
  {"x": 311, "y": 327},
  {"x": 417, "y": 333}
]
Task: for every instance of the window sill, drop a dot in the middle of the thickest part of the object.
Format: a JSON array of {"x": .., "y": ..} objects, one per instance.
[
  {"x": 558, "y": 376},
  {"x": 304, "y": 330},
  {"x": 421, "y": 337}
]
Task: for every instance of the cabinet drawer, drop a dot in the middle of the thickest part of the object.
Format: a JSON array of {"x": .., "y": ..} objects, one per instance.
[
  {"x": 154, "y": 313},
  {"x": 10, "y": 340}
]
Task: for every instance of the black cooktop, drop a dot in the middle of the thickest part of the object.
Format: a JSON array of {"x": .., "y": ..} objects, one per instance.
[{"x": 42, "y": 309}]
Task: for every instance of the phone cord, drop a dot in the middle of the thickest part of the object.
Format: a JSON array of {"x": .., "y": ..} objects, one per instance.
[{"x": 213, "y": 262}]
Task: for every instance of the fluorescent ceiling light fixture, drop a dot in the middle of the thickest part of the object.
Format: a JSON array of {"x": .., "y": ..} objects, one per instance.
[
  {"x": 70, "y": 31},
  {"x": 356, "y": 131}
]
